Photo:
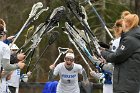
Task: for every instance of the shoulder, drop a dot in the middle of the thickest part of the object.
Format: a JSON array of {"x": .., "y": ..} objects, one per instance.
[
  {"x": 128, "y": 39},
  {"x": 4, "y": 46},
  {"x": 78, "y": 66},
  {"x": 60, "y": 65}
]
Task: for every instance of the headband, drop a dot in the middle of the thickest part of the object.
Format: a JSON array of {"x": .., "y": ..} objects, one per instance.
[{"x": 70, "y": 55}]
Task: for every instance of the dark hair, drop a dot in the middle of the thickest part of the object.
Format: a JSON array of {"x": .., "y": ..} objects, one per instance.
[
  {"x": 1, "y": 29},
  {"x": 118, "y": 23},
  {"x": 2, "y": 22}
]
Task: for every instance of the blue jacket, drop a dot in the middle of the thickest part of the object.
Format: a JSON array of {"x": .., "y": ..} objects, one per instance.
[{"x": 50, "y": 87}]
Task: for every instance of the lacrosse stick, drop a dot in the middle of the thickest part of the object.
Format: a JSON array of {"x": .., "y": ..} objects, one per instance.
[
  {"x": 81, "y": 43},
  {"x": 101, "y": 20},
  {"x": 77, "y": 48},
  {"x": 49, "y": 25},
  {"x": 31, "y": 15},
  {"x": 52, "y": 38},
  {"x": 61, "y": 51}
]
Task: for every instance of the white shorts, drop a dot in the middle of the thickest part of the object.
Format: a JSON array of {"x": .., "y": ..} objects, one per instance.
[{"x": 107, "y": 88}]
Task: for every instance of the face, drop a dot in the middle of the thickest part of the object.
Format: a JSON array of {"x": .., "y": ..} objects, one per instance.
[
  {"x": 14, "y": 51},
  {"x": 4, "y": 37},
  {"x": 69, "y": 61},
  {"x": 117, "y": 31}
]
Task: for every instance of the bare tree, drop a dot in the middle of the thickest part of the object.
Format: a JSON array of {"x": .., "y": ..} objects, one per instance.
[{"x": 137, "y": 5}]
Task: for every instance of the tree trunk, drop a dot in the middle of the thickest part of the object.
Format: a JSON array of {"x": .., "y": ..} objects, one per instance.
[{"x": 137, "y": 5}]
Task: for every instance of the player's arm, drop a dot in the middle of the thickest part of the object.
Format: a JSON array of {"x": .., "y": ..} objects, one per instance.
[
  {"x": 53, "y": 72},
  {"x": 84, "y": 74},
  {"x": 51, "y": 76}
]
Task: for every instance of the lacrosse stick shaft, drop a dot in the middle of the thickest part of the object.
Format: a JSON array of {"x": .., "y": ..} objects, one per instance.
[
  {"x": 32, "y": 53},
  {"x": 86, "y": 28},
  {"x": 101, "y": 20},
  {"x": 79, "y": 52},
  {"x": 39, "y": 58},
  {"x": 31, "y": 15},
  {"x": 57, "y": 58},
  {"x": 80, "y": 42},
  {"x": 23, "y": 27}
]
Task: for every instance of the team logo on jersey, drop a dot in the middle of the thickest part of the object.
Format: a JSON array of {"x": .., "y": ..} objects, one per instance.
[{"x": 122, "y": 47}]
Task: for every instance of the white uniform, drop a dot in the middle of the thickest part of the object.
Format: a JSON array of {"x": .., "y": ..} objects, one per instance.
[
  {"x": 15, "y": 76},
  {"x": 15, "y": 79},
  {"x": 68, "y": 82},
  {"x": 4, "y": 53}
]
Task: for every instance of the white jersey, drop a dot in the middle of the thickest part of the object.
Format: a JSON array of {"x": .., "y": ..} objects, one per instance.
[
  {"x": 115, "y": 44},
  {"x": 4, "y": 54},
  {"x": 68, "y": 82},
  {"x": 15, "y": 79},
  {"x": 3, "y": 86}
]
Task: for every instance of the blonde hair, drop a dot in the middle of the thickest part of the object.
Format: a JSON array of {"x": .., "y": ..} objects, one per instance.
[
  {"x": 124, "y": 13},
  {"x": 1, "y": 29},
  {"x": 132, "y": 20},
  {"x": 70, "y": 51}
]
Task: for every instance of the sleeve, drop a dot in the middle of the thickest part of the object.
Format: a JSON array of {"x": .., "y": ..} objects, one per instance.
[
  {"x": 7, "y": 41},
  {"x": 57, "y": 69},
  {"x": 6, "y": 52},
  {"x": 125, "y": 50},
  {"x": 80, "y": 69},
  {"x": 7, "y": 66},
  {"x": 50, "y": 75},
  {"x": 84, "y": 74}
]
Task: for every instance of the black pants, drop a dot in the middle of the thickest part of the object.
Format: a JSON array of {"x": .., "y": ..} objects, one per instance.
[{"x": 12, "y": 89}]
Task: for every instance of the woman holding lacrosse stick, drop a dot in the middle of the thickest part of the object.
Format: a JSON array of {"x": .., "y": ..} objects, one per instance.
[
  {"x": 68, "y": 72},
  {"x": 126, "y": 75}
]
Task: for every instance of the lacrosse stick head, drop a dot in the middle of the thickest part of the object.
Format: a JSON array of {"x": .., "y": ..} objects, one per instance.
[
  {"x": 54, "y": 36},
  {"x": 40, "y": 12},
  {"x": 35, "y": 9},
  {"x": 84, "y": 12},
  {"x": 57, "y": 12},
  {"x": 62, "y": 50}
]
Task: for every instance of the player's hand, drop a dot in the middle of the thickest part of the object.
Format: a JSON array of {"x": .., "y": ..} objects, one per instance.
[
  {"x": 10, "y": 37},
  {"x": 86, "y": 82},
  {"x": 21, "y": 65},
  {"x": 92, "y": 73},
  {"x": 21, "y": 56},
  {"x": 29, "y": 73},
  {"x": 102, "y": 60},
  {"x": 52, "y": 66}
]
